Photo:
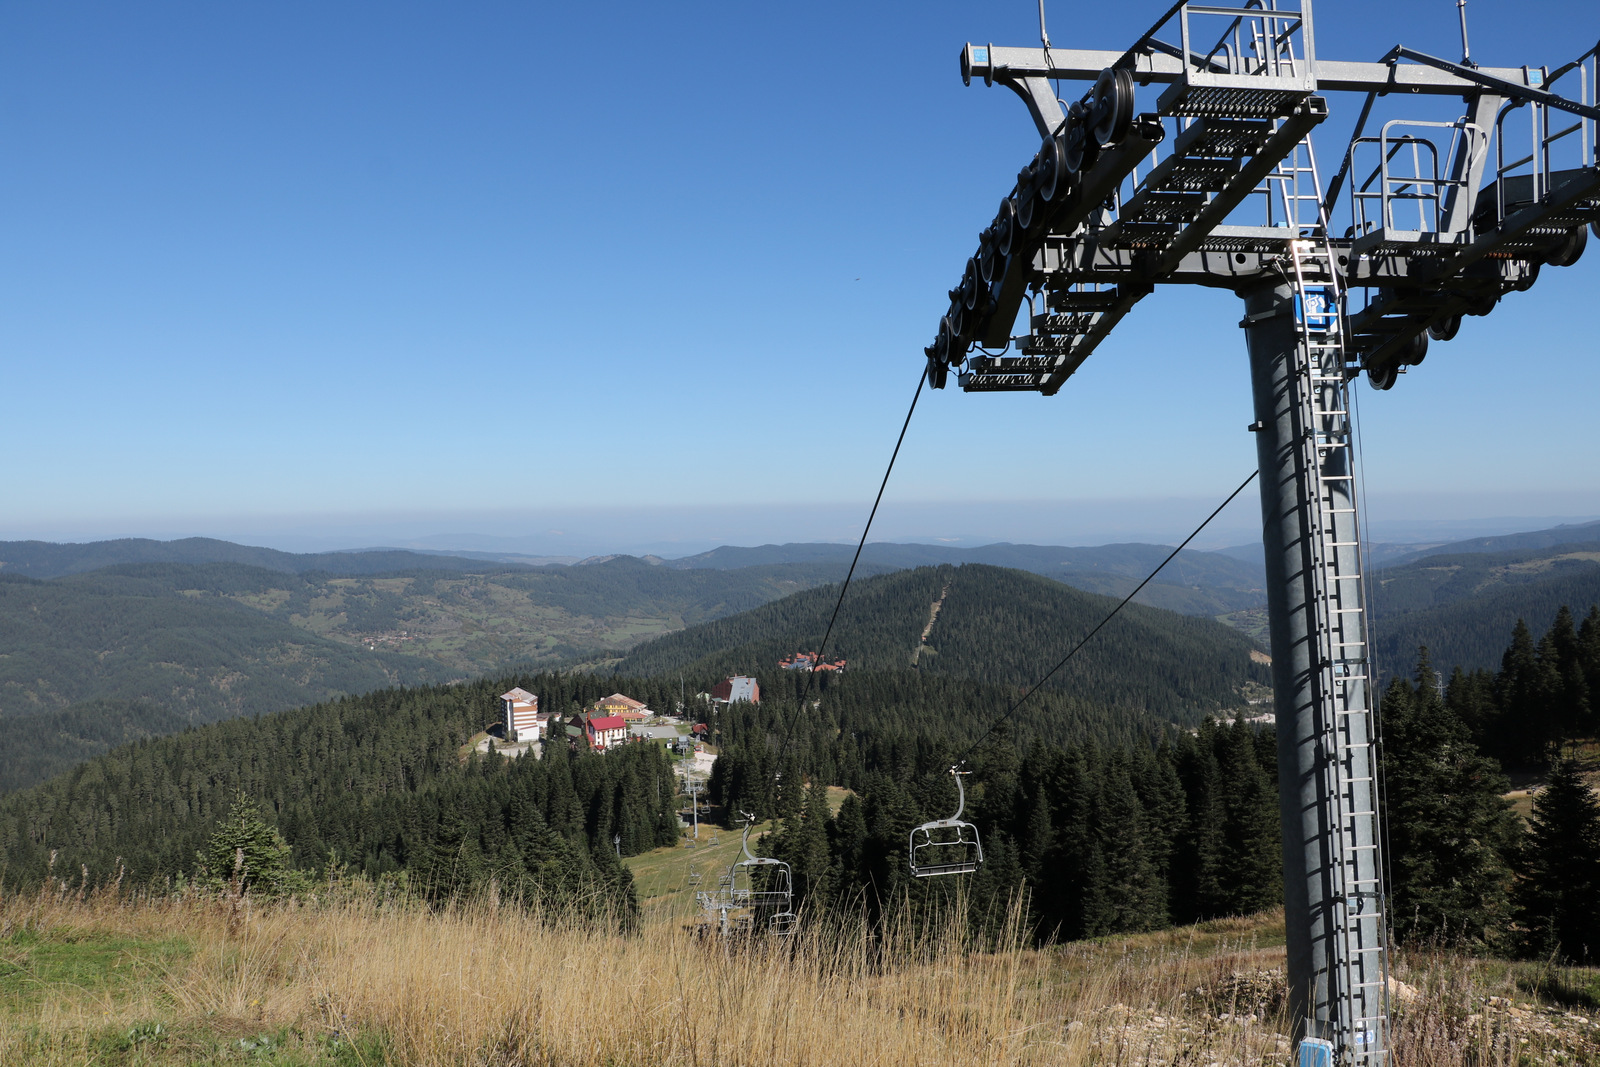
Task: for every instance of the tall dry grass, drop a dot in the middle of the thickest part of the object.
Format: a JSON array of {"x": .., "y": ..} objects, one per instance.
[{"x": 487, "y": 983}]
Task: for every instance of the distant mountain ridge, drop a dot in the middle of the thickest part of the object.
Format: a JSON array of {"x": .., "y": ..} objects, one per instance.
[
  {"x": 46, "y": 559},
  {"x": 1532, "y": 540},
  {"x": 1195, "y": 583}
]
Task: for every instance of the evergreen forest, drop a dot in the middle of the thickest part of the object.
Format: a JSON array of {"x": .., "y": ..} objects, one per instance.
[{"x": 1106, "y": 817}]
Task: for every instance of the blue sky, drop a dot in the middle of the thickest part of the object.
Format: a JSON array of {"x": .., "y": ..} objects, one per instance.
[{"x": 331, "y": 274}]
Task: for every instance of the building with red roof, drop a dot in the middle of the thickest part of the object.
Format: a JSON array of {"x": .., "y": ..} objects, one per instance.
[{"x": 604, "y": 731}]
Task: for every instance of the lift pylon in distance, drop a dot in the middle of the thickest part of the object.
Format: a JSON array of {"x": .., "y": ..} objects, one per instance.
[
  {"x": 1189, "y": 158},
  {"x": 946, "y": 846}
]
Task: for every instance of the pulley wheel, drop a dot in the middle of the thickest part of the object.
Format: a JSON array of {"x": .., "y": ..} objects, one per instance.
[
  {"x": 1052, "y": 171},
  {"x": 1113, "y": 106},
  {"x": 1383, "y": 378},
  {"x": 991, "y": 264},
  {"x": 1078, "y": 143},
  {"x": 957, "y": 317},
  {"x": 955, "y": 349},
  {"x": 1005, "y": 227},
  {"x": 938, "y": 373},
  {"x": 1415, "y": 350},
  {"x": 1570, "y": 250},
  {"x": 1445, "y": 329},
  {"x": 970, "y": 285},
  {"x": 942, "y": 344},
  {"x": 1025, "y": 215}
]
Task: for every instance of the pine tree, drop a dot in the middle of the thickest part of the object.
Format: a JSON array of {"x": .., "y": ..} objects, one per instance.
[
  {"x": 1252, "y": 837},
  {"x": 1521, "y": 728},
  {"x": 805, "y": 848},
  {"x": 847, "y": 845},
  {"x": 248, "y": 852},
  {"x": 1558, "y": 883},
  {"x": 1449, "y": 826},
  {"x": 1135, "y": 895},
  {"x": 1201, "y": 886},
  {"x": 1570, "y": 711},
  {"x": 1589, "y": 659},
  {"x": 1470, "y": 697}
]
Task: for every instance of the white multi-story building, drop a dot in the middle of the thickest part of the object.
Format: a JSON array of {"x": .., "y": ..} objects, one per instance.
[{"x": 521, "y": 708}]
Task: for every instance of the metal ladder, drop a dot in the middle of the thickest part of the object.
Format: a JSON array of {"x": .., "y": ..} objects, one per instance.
[{"x": 1359, "y": 1015}]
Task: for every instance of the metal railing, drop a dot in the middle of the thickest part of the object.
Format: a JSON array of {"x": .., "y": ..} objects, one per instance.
[{"x": 1405, "y": 185}]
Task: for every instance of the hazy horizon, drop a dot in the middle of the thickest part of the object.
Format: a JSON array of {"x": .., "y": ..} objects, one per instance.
[{"x": 683, "y": 531}]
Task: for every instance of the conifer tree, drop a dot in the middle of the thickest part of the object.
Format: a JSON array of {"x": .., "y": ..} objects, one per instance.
[
  {"x": 847, "y": 846},
  {"x": 803, "y": 844},
  {"x": 1449, "y": 826},
  {"x": 1197, "y": 850},
  {"x": 1134, "y": 895},
  {"x": 1520, "y": 696},
  {"x": 1589, "y": 659},
  {"x": 1252, "y": 838},
  {"x": 1471, "y": 698},
  {"x": 1558, "y": 883},
  {"x": 248, "y": 852},
  {"x": 1570, "y": 688}
]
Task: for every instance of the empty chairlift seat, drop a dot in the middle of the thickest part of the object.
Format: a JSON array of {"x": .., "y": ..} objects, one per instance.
[{"x": 946, "y": 846}]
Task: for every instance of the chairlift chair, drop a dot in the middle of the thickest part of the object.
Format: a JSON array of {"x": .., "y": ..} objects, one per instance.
[
  {"x": 776, "y": 890},
  {"x": 946, "y": 846},
  {"x": 783, "y": 923}
]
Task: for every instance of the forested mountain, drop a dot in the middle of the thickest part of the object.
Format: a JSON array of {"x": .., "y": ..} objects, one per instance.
[
  {"x": 1195, "y": 583},
  {"x": 379, "y": 778},
  {"x": 97, "y": 658},
  {"x": 1463, "y": 606},
  {"x": 91, "y": 661},
  {"x": 998, "y": 626},
  {"x": 45, "y": 559}
]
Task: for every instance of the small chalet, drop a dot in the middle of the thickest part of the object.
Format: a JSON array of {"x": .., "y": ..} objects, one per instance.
[
  {"x": 605, "y": 731},
  {"x": 737, "y": 689},
  {"x": 520, "y": 709}
]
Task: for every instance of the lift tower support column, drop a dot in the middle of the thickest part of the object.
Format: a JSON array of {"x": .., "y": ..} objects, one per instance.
[
  {"x": 1326, "y": 783},
  {"x": 1190, "y": 161}
]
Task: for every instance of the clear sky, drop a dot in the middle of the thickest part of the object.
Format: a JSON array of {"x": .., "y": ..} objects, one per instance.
[{"x": 322, "y": 274}]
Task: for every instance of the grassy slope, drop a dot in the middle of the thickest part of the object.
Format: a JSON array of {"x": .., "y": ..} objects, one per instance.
[{"x": 343, "y": 982}]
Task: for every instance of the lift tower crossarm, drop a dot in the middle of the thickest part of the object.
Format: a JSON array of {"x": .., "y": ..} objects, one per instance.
[
  {"x": 1428, "y": 76},
  {"x": 1517, "y": 90}
]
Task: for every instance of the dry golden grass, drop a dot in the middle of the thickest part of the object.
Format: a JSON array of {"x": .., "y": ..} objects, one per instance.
[{"x": 489, "y": 984}]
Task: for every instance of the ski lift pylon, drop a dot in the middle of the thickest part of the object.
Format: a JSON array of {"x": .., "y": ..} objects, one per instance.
[{"x": 946, "y": 846}]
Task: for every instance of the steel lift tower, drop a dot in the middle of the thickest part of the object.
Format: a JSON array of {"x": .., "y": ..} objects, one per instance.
[{"x": 1215, "y": 182}]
